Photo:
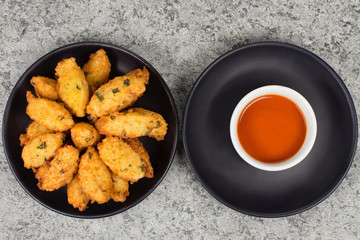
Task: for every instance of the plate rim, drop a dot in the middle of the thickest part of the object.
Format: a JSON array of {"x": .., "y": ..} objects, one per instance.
[
  {"x": 340, "y": 83},
  {"x": 100, "y": 44}
]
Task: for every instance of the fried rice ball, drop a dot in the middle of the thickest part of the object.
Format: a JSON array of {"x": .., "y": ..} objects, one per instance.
[
  {"x": 121, "y": 188},
  {"x": 95, "y": 177},
  {"x": 97, "y": 70},
  {"x": 137, "y": 146},
  {"x": 41, "y": 149},
  {"x": 59, "y": 171},
  {"x": 132, "y": 123},
  {"x": 121, "y": 159},
  {"x": 72, "y": 86},
  {"x": 75, "y": 195},
  {"x": 48, "y": 113},
  {"x": 118, "y": 93},
  {"x": 45, "y": 87},
  {"x": 32, "y": 131},
  {"x": 84, "y": 135}
]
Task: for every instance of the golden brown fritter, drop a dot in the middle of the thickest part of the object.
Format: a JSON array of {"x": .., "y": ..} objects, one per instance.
[
  {"x": 118, "y": 93},
  {"x": 84, "y": 135},
  {"x": 75, "y": 195},
  {"x": 41, "y": 149},
  {"x": 132, "y": 123},
  {"x": 95, "y": 177},
  {"x": 45, "y": 87},
  {"x": 32, "y": 131},
  {"x": 48, "y": 113},
  {"x": 139, "y": 149},
  {"x": 72, "y": 87},
  {"x": 97, "y": 70},
  {"x": 121, "y": 159},
  {"x": 99, "y": 175},
  {"x": 59, "y": 171},
  {"x": 121, "y": 188}
]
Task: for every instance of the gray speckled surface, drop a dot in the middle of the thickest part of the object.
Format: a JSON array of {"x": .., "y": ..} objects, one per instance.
[{"x": 180, "y": 40}]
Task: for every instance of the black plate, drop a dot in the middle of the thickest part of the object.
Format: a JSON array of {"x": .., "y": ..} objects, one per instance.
[
  {"x": 221, "y": 170},
  {"x": 156, "y": 98}
]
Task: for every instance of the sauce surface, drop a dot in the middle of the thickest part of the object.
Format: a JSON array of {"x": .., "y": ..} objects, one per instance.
[{"x": 271, "y": 128}]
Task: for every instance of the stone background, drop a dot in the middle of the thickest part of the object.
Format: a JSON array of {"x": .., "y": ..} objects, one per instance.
[{"x": 179, "y": 39}]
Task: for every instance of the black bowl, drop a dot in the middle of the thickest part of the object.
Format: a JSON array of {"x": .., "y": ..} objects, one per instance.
[
  {"x": 156, "y": 98},
  {"x": 211, "y": 153}
]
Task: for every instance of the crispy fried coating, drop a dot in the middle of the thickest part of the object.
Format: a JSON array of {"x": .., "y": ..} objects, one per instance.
[
  {"x": 95, "y": 177},
  {"x": 45, "y": 87},
  {"x": 41, "y": 149},
  {"x": 84, "y": 135},
  {"x": 97, "y": 70},
  {"x": 48, "y": 113},
  {"x": 139, "y": 149},
  {"x": 32, "y": 131},
  {"x": 122, "y": 159},
  {"x": 59, "y": 171},
  {"x": 132, "y": 123},
  {"x": 121, "y": 188},
  {"x": 118, "y": 93},
  {"x": 75, "y": 195},
  {"x": 72, "y": 86}
]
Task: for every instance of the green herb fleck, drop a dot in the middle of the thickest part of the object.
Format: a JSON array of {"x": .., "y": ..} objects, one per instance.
[
  {"x": 62, "y": 118},
  {"x": 115, "y": 90},
  {"x": 44, "y": 159},
  {"x": 142, "y": 167},
  {"x": 90, "y": 155},
  {"x": 62, "y": 171},
  {"x": 123, "y": 170},
  {"x": 87, "y": 139},
  {"x": 127, "y": 82},
  {"x": 78, "y": 87},
  {"x": 99, "y": 96},
  {"x": 123, "y": 134},
  {"x": 56, "y": 77},
  {"x": 129, "y": 165},
  {"x": 32, "y": 83},
  {"x": 42, "y": 145},
  {"x": 112, "y": 117},
  {"x": 89, "y": 117}
]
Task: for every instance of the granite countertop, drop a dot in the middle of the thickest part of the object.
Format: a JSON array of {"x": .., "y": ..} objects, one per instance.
[{"x": 179, "y": 39}]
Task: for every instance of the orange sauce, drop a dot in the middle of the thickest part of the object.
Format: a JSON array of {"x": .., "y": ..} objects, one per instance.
[{"x": 271, "y": 128}]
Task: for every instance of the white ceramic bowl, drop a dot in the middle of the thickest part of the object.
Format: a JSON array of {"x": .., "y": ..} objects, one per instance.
[{"x": 303, "y": 104}]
